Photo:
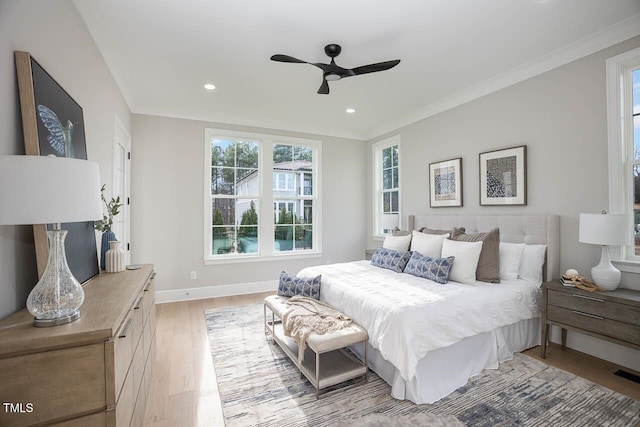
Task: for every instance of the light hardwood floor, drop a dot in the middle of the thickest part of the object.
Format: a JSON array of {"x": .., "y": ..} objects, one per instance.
[{"x": 184, "y": 391}]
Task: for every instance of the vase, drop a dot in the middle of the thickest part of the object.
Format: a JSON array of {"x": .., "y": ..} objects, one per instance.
[
  {"x": 107, "y": 236},
  {"x": 114, "y": 257}
]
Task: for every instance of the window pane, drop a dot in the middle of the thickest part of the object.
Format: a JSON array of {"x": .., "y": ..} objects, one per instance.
[
  {"x": 386, "y": 158},
  {"x": 223, "y": 212},
  {"x": 223, "y": 152},
  {"x": 307, "y": 213},
  {"x": 303, "y": 154},
  {"x": 283, "y": 238},
  {"x": 247, "y": 154},
  {"x": 248, "y": 240},
  {"x": 394, "y": 152},
  {"x": 247, "y": 212},
  {"x": 246, "y": 182},
  {"x": 387, "y": 179},
  {"x": 222, "y": 181},
  {"x": 282, "y": 154},
  {"x": 636, "y": 113},
  {"x": 284, "y": 214},
  {"x": 308, "y": 184},
  {"x": 223, "y": 240},
  {"x": 394, "y": 182},
  {"x": 304, "y": 237},
  {"x": 394, "y": 202},
  {"x": 386, "y": 202}
]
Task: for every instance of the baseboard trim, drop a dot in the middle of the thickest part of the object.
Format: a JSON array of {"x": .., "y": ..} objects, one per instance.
[{"x": 188, "y": 294}]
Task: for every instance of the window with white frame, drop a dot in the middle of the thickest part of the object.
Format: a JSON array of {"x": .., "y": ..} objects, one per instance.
[
  {"x": 386, "y": 210},
  {"x": 260, "y": 197},
  {"x": 623, "y": 116}
]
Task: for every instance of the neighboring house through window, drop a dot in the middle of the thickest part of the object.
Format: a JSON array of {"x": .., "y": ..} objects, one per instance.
[
  {"x": 386, "y": 160},
  {"x": 623, "y": 116},
  {"x": 261, "y": 199}
]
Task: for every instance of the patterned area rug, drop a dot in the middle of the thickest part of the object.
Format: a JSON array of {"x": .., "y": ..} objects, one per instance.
[{"x": 259, "y": 385}]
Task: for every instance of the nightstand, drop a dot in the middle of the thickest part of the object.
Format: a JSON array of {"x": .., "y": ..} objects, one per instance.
[
  {"x": 612, "y": 316},
  {"x": 368, "y": 253}
]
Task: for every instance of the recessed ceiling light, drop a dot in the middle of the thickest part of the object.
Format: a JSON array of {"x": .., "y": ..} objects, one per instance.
[
  {"x": 351, "y": 110},
  {"x": 209, "y": 86}
]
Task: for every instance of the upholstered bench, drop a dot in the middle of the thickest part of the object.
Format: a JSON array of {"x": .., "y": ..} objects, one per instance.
[{"x": 326, "y": 360}]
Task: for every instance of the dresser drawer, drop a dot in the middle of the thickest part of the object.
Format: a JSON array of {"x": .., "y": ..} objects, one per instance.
[
  {"x": 50, "y": 381},
  {"x": 596, "y": 324},
  {"x": 595, "y": 305}
]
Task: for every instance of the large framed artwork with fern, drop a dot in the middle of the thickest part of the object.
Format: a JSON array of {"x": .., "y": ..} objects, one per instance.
[{"x": 53, "y": 124}]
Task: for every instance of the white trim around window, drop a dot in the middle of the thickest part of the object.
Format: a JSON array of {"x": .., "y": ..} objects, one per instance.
[
  {"x": 377, "y": 150},
  {"x": 620, "y": 147},
  {"x": 264, "y": 196}
]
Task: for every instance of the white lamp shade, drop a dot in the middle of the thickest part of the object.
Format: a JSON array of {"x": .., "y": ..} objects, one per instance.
[
  {"x": 389, "y": 221},
  {"x": 48, "y": 190},
  {"x": 605, "y": 229}
]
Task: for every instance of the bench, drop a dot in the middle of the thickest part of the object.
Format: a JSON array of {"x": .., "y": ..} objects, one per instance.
[{"x": 326, "y": 360}]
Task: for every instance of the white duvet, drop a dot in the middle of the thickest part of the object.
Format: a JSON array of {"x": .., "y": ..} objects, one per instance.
[{"x": 407, "y": 316}]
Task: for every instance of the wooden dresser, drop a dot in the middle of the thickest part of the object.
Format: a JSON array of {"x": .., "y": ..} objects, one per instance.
[
  {"x": 95, "y": 371},
  {"x": 613, "y": 315}
]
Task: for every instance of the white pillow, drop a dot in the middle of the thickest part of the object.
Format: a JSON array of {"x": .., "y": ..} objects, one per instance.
[
  {"x": 510, "y": 256},
  {"x": 428, "y": 244},
  {"x": 466, "y": 259},
  {"x": 397, "y": 243},
  {"x": 532, "y": 262}
]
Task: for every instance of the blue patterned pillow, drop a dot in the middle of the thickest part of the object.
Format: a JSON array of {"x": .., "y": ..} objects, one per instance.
[
  {"x": 436, "y": 269},
  {"x": 390, "y": 259},
  {"x": 305, "y": 286}
]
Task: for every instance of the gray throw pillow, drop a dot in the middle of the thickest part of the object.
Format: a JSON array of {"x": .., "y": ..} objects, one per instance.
[
  {"x": 432, "y": 231},
  {"x": 489, "y": 263}
]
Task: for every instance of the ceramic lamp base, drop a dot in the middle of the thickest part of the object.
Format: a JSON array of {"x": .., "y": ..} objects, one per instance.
[{"x": 605, "y": 275}]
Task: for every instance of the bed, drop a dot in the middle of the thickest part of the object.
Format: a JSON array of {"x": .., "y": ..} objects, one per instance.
[{"x": 428, "y": 339}]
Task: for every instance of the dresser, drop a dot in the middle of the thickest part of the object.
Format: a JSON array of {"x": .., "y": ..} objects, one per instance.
[
  {"x": 612, "y": 316},
  {"x": 95, "y": 371}
]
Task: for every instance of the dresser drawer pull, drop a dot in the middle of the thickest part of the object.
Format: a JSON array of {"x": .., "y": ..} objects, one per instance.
[
  {"x": 153, "y": 275},
  {"x": 138, "y": 304},
  {"x": 589, "y": 298},
  {"x": 588, "y": 315},
  {"x": 146, "y": 288},
  {"x": 125, "y": 329}
]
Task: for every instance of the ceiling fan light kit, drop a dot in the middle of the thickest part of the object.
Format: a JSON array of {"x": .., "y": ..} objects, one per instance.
[{"x": 332, "y": 71}]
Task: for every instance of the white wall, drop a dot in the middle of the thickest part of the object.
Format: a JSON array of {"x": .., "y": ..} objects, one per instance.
[
  {"x": 55, "y": 35},
  {"x": 561, "y": 117},
  {"x": 167, "y": 208}
]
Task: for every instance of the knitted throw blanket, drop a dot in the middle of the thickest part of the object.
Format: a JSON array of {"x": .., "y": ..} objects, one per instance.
[{"x": 307, "y": 315}]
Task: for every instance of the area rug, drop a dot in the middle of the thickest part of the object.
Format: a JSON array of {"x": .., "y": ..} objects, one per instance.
[{"x": 260, "y": 386}]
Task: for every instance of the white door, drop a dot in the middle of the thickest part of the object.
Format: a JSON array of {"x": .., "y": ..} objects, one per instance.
[{"x": 122, "y": 184}]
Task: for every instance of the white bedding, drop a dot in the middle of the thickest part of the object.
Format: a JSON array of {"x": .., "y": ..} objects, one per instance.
[{"x": 407, "y": 316}]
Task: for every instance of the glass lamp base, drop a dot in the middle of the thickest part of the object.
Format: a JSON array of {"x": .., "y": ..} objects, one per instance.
[{"x": 44, "y": 323}]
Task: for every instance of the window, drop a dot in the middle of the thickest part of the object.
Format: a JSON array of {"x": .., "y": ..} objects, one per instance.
[
  {"x": 623, "y": 116},
  {"x": 293, "y": 215},
  {"x": 386, "y": 158},
  {"x": 260, "y": 198}
]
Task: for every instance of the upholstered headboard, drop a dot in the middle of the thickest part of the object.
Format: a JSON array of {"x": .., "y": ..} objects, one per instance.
[{"x": 530, "y": 229}]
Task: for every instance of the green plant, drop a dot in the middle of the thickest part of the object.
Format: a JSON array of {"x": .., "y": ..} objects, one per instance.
[{"x": 113, "y": 209}]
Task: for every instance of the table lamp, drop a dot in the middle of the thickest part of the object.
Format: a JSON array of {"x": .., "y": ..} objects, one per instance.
[
  {"x": 388, "y": 222},
  {"x": 605, "y": 230},
  {"x": 51, "y": 190}
]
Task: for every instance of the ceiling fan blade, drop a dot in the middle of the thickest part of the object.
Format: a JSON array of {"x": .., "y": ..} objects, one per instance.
[
  {"x": 287, "y": 58},
  {"x": 324, "y": 88},
  {"x": 372, "y": 68}
]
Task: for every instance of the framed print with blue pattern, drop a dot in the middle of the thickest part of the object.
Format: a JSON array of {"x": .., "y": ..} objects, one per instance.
[
  {"x": 503, "y": 177},
  {"x": 445, "y": 183}
]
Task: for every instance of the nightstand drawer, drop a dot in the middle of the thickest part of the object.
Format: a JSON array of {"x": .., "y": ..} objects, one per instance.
[
  {"x": 594, "y": 304},
  {"x": 594, "y": 323}
]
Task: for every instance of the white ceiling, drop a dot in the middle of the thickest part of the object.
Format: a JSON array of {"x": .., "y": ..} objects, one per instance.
[{"x": 161, "y": 52}]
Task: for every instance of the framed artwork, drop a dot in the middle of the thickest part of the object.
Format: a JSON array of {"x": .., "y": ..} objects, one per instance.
[
  {"x": 445, "y": 183},
  {"x": 503, "y": 177},
  {"x": 53, "y": 124}
]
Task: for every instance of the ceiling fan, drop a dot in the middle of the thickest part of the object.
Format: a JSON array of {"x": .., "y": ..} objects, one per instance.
[{"x": 332, "y": 71}]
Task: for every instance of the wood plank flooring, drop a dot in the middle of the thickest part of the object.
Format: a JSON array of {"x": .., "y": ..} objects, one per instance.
[{"x": 184, "y": 391}]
